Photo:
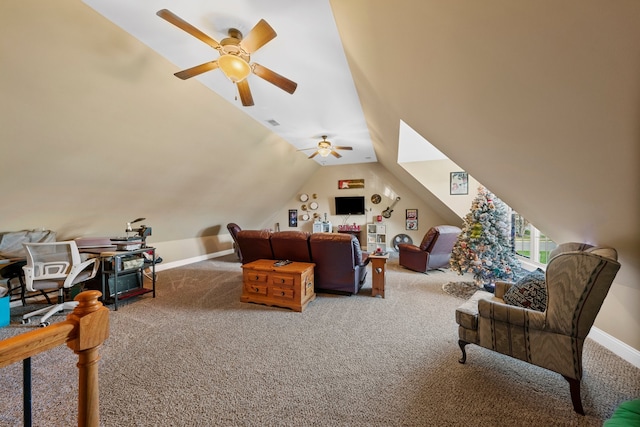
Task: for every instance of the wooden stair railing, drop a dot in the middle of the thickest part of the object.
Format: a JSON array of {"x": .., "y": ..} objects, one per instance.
[{"x": 85, "y": 329}]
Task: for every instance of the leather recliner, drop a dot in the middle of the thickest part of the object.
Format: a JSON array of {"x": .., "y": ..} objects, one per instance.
[
  {"x": 234, "y": 229},
  {"x": 255, "y": 245},
  {"x": 341, "y": 266},
  {"x": 434, "y": 251}
]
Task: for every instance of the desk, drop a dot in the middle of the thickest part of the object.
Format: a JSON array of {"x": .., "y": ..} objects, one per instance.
[
  {"x": 378, "y": 281},
  {"x": 112, "y": 263}
]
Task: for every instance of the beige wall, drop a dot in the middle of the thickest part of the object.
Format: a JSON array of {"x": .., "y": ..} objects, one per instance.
[
  {"x": 377, "y": 180},
  {"x": 435, "y": 174}
]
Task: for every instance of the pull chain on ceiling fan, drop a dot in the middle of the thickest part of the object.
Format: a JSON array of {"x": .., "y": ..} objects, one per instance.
[
  {"x": 325, "y": 148},
  {"x": 235, "y": 56}
]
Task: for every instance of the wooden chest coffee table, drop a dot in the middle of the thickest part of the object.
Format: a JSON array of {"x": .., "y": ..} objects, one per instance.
[{"x": 290, "y": 286}]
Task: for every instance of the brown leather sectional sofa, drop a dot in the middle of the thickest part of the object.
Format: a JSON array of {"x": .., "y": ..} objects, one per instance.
[{"x": 340, "y": 264}]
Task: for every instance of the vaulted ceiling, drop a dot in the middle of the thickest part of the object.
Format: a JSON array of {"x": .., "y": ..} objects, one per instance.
[{"x": 307, "y": 50}]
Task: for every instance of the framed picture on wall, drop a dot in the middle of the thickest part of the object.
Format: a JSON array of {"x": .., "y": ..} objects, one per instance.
[
  {"x": 459, "y": 183},
  {"x": 345, "y": 184},
  {"x": 412, "y": 219},
  {"x": 293, "y": 217}
]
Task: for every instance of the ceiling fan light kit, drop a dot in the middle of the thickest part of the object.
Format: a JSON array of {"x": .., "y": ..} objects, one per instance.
[
  {"x": 234, "y": 60},
  {"x": 325, "y": 148},
  {"x": 235, "y": 68}
]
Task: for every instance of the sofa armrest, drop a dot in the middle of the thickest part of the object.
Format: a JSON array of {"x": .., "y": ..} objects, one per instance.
[
  {"x": 365, "y": 258},
  {"x": 498, "y": 310},
  {"x": 406, "y": 247}
]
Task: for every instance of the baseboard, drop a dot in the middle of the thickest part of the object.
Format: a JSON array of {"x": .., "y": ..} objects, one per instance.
[
  {"x": 616, "y": 346},
  {"x": 187, "y": 261}
]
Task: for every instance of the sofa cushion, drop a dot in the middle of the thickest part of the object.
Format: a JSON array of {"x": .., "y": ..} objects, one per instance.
[
  {"x": 529, "y": 292},
  {"x": 467, "y": 313},
  {"x": 292, "y": 245}
]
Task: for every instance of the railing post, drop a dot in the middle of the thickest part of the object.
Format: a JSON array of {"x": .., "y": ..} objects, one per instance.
[{"x": 92, "y": 319}]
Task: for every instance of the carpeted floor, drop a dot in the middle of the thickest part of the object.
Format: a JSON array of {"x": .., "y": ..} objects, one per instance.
[
  {"x": 462, "y": 290},
  {"x": 197, "y": 356}
]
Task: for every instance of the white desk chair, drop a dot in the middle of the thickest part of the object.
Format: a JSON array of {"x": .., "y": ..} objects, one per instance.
[{"x": 51, "y": 266}]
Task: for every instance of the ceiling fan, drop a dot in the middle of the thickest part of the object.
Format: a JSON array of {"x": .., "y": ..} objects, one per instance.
[
  {"x": 235, "y": 54},
  {"x": 325, "y": 148}
]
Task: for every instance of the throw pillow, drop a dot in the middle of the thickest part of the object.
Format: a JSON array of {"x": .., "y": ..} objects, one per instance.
[{"x": 529, "y": 292}]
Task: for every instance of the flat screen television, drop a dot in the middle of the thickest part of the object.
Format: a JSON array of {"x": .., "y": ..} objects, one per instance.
[{"x": 350, "y": 205}]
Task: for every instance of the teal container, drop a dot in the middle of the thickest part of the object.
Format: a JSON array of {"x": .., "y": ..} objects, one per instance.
[{"x": 5, "y": 317}]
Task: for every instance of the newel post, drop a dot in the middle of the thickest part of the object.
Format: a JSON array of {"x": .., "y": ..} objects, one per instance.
[{"x": 92, "y": 329}]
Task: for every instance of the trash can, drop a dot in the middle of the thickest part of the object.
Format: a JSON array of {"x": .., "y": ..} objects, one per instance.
[{"x": 5, "y": 318}]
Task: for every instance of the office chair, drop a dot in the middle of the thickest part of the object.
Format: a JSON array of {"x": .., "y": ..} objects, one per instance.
[{"x": 55, "y": 266}]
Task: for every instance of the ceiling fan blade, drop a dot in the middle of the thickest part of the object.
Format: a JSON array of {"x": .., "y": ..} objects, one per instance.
[
  {"x": 171, "y": 17},
  {"x": 313, "y": 155},
  {"x": 198, "y": 69},
  {"x": 245, "y": 93},
  {"x": 259, "y": 35},
  {"x": 335, "y": 153},
  {"x": 310, "y": 148},
  {"x": 274, "y": 78},
  {"x": 343, "y": 148}
]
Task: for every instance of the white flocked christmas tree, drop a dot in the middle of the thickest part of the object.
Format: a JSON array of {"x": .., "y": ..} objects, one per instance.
[{"x": 484, "y": 246}]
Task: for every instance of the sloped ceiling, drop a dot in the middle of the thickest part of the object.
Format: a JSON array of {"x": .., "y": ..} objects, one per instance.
[
  {"x": 538, "y": 100},
  {"x": 307, "y": 50}
]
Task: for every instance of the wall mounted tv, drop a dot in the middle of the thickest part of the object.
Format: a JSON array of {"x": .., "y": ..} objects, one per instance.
[{"x": 350, "y": 205}]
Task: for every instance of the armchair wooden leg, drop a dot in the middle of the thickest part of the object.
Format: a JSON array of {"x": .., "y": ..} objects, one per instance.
[
  {"x": 574, "y": 386},
  {"x": 462, "y": 345}
]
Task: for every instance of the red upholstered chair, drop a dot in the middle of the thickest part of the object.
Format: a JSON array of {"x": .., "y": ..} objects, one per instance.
[
  {"x": 434, "y": 251},
  {"x": 292, "y": 245},
  {"x": 255, "y": 245}
]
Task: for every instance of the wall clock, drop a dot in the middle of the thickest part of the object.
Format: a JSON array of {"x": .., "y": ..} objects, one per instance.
[{"x": 375, "y": 199}]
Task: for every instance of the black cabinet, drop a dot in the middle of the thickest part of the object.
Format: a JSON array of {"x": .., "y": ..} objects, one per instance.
[{"x": 122, "y": 274}]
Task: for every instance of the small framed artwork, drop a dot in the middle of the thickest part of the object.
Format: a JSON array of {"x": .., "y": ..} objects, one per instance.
[
  {"x": 344, "y": 184},
  {"x": 459, "y": 183},
  {"x": 412, "y": 219},
  {"x": 293, "y": 217}
]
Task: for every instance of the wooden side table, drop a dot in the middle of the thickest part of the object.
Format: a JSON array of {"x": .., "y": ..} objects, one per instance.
[{"x": 378, "y": 263}]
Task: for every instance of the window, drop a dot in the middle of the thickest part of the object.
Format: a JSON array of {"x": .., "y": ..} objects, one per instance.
[{"x": 529, "y": 242}]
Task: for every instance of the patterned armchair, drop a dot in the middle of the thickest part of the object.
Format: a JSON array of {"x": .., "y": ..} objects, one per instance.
[{"x": 578, "y": 278}]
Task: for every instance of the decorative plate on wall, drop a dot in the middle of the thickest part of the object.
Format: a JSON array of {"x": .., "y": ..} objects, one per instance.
[
  {"x": 313, "y": 206},
  {"x": 375, "y": 199},
  {"x": 304, "y": 197}
]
